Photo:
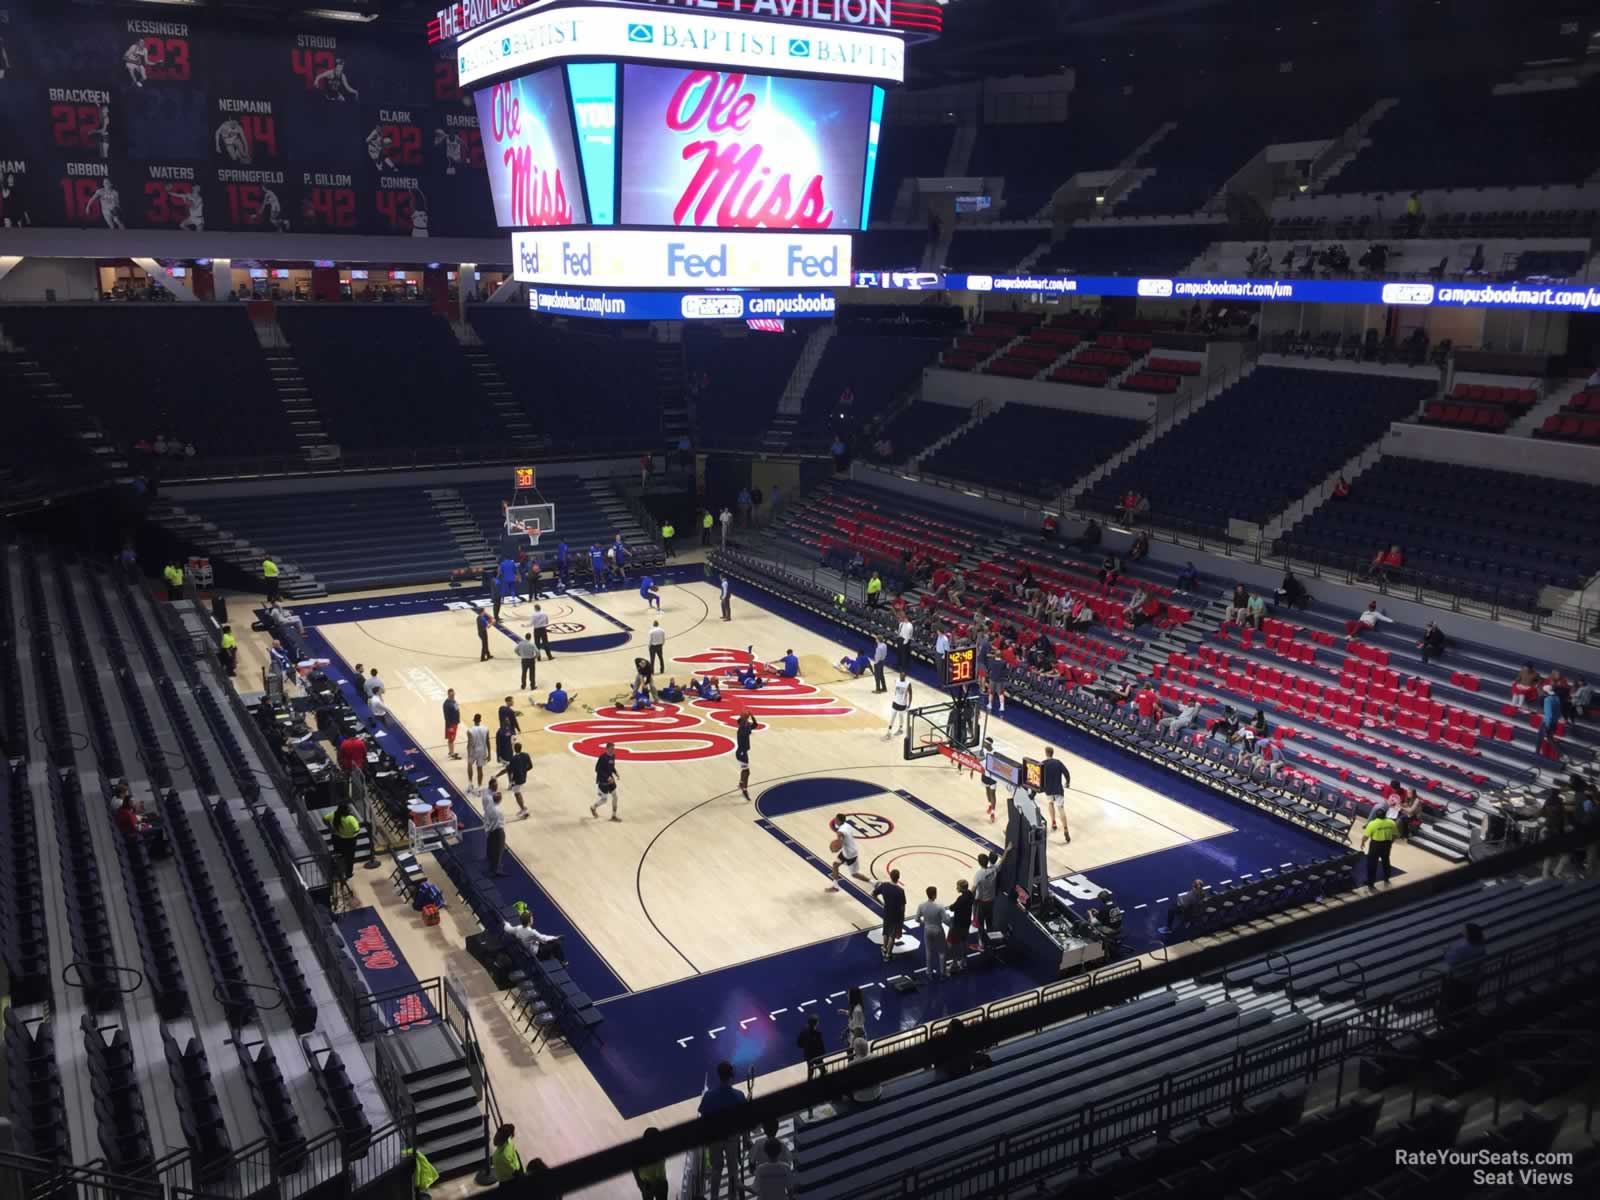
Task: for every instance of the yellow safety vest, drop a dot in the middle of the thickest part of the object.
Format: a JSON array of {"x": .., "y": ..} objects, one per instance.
[
  {"x": 174, "y": 576},
  {"x": 269, "y": 568},
  {"x": 229, "y": 642}
]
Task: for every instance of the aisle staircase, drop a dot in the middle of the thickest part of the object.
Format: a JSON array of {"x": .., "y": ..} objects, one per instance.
[
  {"x": 221, "y": 545},
  {"x": 494, "y": 388},
  {"x": 463, "y": 528},
  {"x": 304, "y": 419},
  {"x": 450, "y": 1129}
]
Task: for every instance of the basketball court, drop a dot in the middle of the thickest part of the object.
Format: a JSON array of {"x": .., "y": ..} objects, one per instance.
[{"x": 701, "y": 922}]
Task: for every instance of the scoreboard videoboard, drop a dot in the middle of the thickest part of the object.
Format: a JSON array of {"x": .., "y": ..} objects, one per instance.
[{"x": 1033, "y": 774}]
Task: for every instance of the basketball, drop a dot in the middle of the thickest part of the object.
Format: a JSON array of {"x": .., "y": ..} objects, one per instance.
[{"x": 836, "y": 845}]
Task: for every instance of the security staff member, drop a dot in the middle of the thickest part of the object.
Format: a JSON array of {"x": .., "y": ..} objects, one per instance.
[
  {"x": 173, "y": 574},
  {"x": 230, "y": 650},
  {"x": 269, "y": 576},
  {"x": 667, "y": 534},
  {"x": 1378, "y": 840},
  {"x": 346, "y": 828}
]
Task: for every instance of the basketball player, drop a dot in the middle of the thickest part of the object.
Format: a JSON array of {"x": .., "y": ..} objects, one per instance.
[
  {"x": 477, "y": 751},
  {"x": 455, "y": 148},
  {"x": 1053, "y": 772},
  {"x": 13, "y": 211},
  {"x": 136, "y": 60},
  {"x": 452, "y": 721},
  {"x": 644, "y": 671},
  {"x": 648, "y": 592},
  {"x": 194, "y": 202},
  {"x": 333, "y": 84},
  {"x": 988, "y": 779},
  {"x": 605, "y": 782},
  {"x": 110, "y": 202},
  {"x": 899, "y": 702},
  {"x": 518, "y": 766},
  {"x": 597, "y": 568},
  {"x": 378, "y": 144},
  {"x": 230, "y": 139},
  {"x": 419, "y": 213},
  {"x": 510, "y": 725},
  {"x": 844, "y": 846},
  {"x": 741, "y": 752}
]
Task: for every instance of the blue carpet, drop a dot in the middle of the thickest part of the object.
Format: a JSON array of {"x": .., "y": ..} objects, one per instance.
[{"x": 383, "y": 969}]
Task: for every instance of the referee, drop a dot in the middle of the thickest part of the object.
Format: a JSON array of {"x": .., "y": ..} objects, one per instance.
[{"x": 1378, "y": 840}]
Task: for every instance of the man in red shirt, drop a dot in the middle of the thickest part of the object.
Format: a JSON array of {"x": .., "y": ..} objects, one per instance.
[
  {"x": 353, "y": 754},
  {"x": 1385, "y": 561},
  {"x": 1146, "y": 702}
]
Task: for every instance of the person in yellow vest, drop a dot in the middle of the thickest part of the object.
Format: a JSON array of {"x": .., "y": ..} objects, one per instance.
[
  {"x": 667, "y": 534},
  {"x": 269, "y": 575},
  {"x": 1378, "y": 840},
  {"x": 173, "y": 574},
  {"x": 346, "y": 828},
  {"x": 506, "y": 1161},
  {"x": 652, "y": 1177},
  {"x": 707, "y": 524},
  {"x": 230, "y": 650},
  {"x": 874, "y": 590}
]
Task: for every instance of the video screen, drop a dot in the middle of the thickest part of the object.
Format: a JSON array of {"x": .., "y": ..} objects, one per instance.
[
  {"x": 725, "y": 150},
  {"x": 527, "y": 144}
]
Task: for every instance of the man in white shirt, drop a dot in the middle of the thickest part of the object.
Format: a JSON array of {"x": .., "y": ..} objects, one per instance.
[
  {"x": 540, "y": 945},
  {"x": 725, "y": 519},
  {"x": 880, "y": 656},
  {"x": 658, "y": 640},
  {"x": 373, "y": 686},
  {"x": 898, "y": 704},
  {"x": 941, "y": 645},
  {"x": 725, "y": 591},
  {"x": 494, "y": 823},
  {"x": 848, "y": 854},
  {"x": 539, "y": 622},
  {"x": 528, "y": 655},
  {"x": 932, "y": 915},
  {"x": 907, "y": 630},
  {"x": 983, "y": 890},
  {"x": 1371, "y": 616},
  {"x": 284, "y": 617}
]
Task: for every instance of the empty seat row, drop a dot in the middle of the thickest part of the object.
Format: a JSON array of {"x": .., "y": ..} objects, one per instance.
[
  {"x": 23, "y": 940},
  {"x": 199, "y": 1110},
  {"x": 33, "y": 1080},
  {"x": 274, "y": 1106},
  {"x": 118, "y": 1103}
]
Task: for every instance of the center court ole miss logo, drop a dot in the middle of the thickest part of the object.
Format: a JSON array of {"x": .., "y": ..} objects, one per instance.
[{"x": 693, "y": 729}]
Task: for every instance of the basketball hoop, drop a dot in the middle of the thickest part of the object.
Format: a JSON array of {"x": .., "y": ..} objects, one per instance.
[{"x": 528, "y": 529}]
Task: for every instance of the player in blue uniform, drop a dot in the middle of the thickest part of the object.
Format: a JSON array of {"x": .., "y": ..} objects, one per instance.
[
  {"x": 561, "y": 565},
  {"x": 647, "y": 591},
  {"x": 597, "y": 567}
]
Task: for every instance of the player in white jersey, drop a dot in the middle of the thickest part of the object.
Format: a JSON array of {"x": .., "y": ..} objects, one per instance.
[
  {"x": 455, "y": 148},
  {"x": 332, "y": 83},
  {"x": 194, "y": 202},
  {"x": 378, "y": 144},
  {"x": 230, "y": 139},
  {"x": 899, "y": 702},
  {"x": 847, "y": 855},
  {"x": 271, "y": 211},
  {"x": 110, "y": 205},
  {"x": 419, "y": 214},
  {"x": 136, "y": 59},
  {"x": 477, "y": 751}
]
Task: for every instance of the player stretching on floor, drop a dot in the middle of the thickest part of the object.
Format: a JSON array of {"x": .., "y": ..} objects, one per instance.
[
  {"x": 747, "y": 723},
  {"x": 844, "y": 846},
  {"x": 605, "y": 782}
]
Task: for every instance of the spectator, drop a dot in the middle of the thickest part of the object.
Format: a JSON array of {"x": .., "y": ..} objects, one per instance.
[
  {"x": 1433, "y": 643},
  {"x": 1090, "y": 537},
  {"x": 1291, "y": 591},
  {"x": 1239, "y": 606},
  {"x": 1140, "y": 548},
  {"x": 1384, "y": 563},
  {"x": 812, "y": 1046},
  {"x": 540, "y": 945},
  {"x": 1462, "y": 960},
  {"x": 1525, "y": 686},
  {"x": 1188, "y": 578},
  {"x": 1185, "y": 718},
  {"x": 1255, "y": 611},
  {"x": 1475, "y": 266},
  {"x": 725, "y": 519},
  {"x": 1554, "y": 817},
  {"x": 1341, "y": 488},
  {"x": 1187, "y": 907},
  {"x": 1371, "y": 617},
  {"x": 1134, "y": 604},
  {"x": 724, "y": 1154},
  {"x": 1409, "y": 811},
  {"x": 1414, "y": 214},
  {"x": 1129, "y": 504},
  {"x": 1225, "y": 727},
  {"x": 960, "y": 926},
  {"x": 774, "y": 1176},
  {"x": 860, "y": 1052},
  {"x": 1582, "y": 698},
  {"x": 1110, "y": 570}
]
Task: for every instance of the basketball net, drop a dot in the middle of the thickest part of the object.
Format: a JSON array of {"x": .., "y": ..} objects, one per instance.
[{"x": 528, "y": 529}]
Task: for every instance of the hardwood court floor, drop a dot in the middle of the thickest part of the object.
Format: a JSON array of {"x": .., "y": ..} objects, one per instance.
[{"x": 698, "y": 904}]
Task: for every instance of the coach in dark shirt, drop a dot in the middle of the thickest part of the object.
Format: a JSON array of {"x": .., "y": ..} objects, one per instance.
[{"x": 893, "y": 898}]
